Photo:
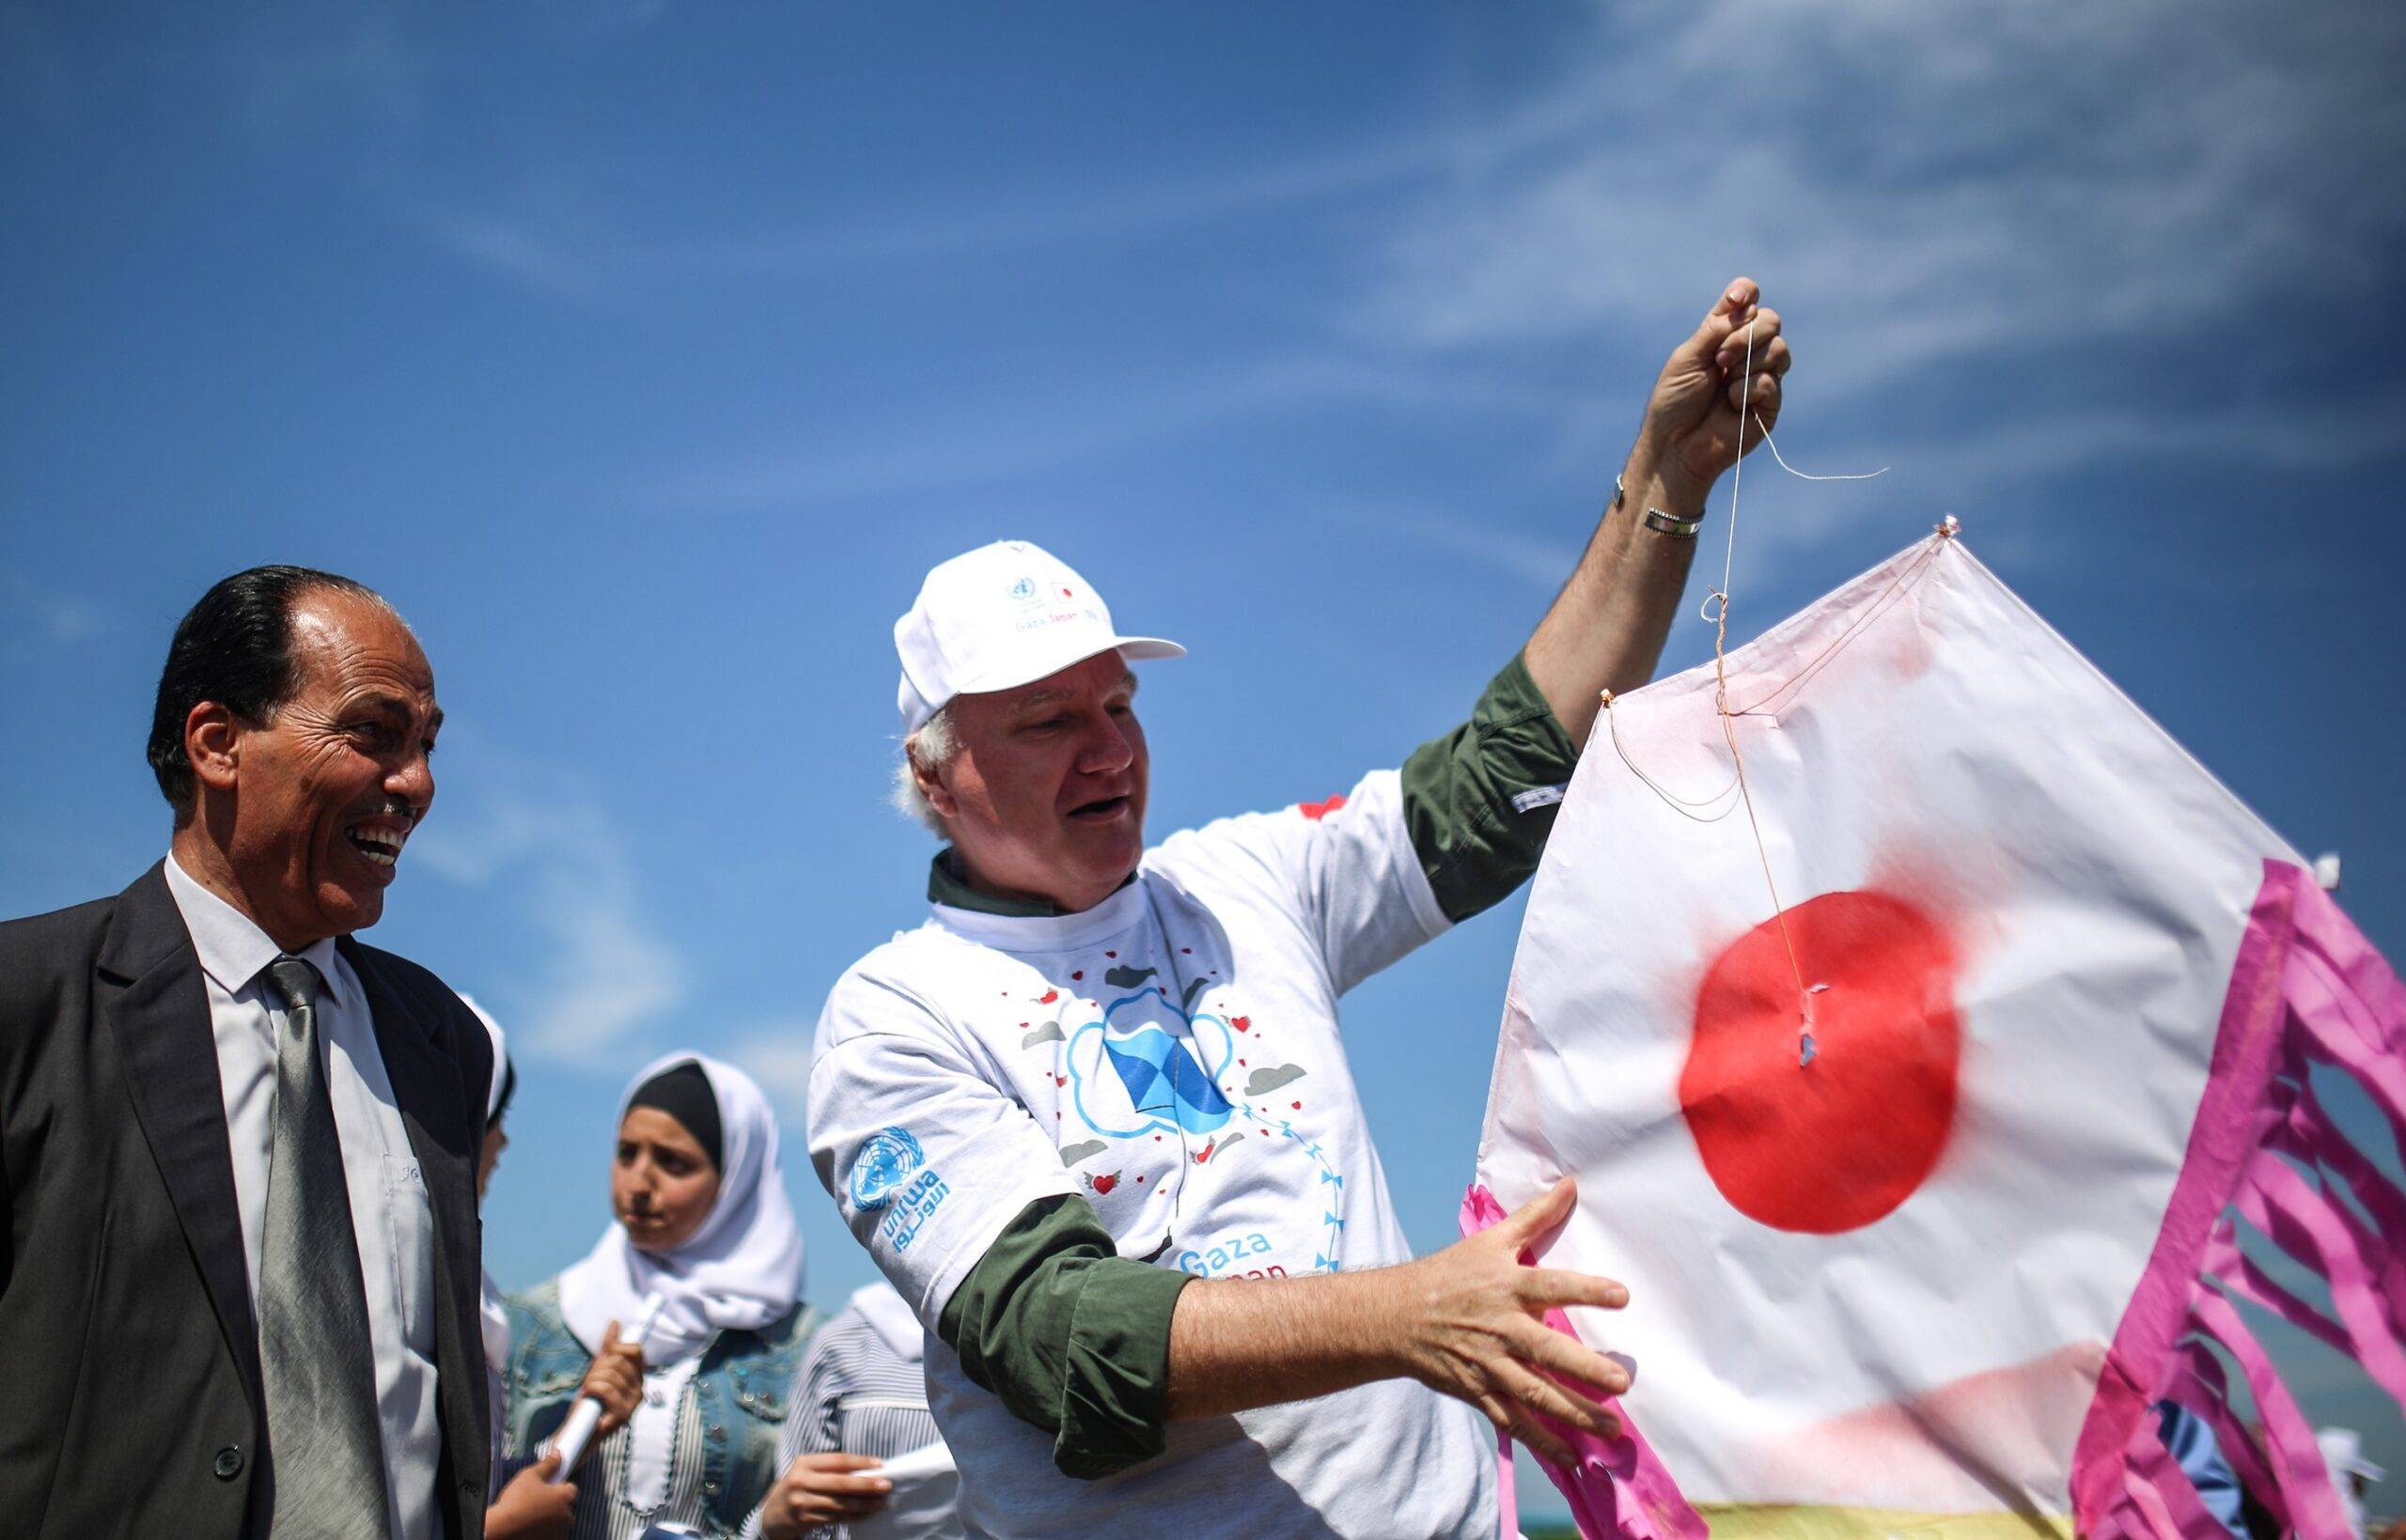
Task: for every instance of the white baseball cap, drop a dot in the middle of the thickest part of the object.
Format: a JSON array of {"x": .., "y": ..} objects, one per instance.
[
  {"x": 2343, "y": 1450},
  {"x": 1000, "y": 617}
]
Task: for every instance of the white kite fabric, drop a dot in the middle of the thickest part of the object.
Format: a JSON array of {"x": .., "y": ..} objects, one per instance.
[{"x": 1926, "y": 1186}]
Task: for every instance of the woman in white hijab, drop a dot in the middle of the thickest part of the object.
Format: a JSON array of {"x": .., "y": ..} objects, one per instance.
[{"x": 701, "y": 1222}]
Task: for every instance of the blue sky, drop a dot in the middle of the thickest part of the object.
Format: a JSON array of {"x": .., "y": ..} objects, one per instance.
[{"x": 646, "y": 355}]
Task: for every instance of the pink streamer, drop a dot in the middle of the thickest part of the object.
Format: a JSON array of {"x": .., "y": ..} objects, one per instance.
[
  {"x": 2308, "y": 1225},
  {"x": 2224, "y": 1138},
  {"x": 1619, "y": 1490},
  {"x": 2201, "y": 1386},
  {"x": 2355, "y": 970},
  {"x": 2309, "y": 1134},
  {"x": 2352, "y": 1007},
  {"x": 2243, "y": 1279},
  {"x": 2297, "y": 1470},
  {"x": 2159, "y": 1488}
]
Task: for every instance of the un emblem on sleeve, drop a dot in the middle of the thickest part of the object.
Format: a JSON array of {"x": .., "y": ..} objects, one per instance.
[{"x": 886, "y": 1159}]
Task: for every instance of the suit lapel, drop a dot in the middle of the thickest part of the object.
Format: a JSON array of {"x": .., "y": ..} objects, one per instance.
[
  {"x": 157, "y": 1007},
  {"x": 433, "y": 1096}
]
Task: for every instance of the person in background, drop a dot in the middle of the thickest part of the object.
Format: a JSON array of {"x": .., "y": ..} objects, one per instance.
[
  {"x": 700, "y": 1219},
  {"x": 2343, "y": 1452},
  {"x": 527, "y": 1503},
  {"x": 2192, "y": 1446},
  {"x": 862, "y": 1401}
]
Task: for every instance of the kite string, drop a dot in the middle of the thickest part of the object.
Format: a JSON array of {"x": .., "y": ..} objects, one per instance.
[
  {"x": 1720, "y": 603},
  {"x": 1716, "y": 609},
  {"x": 1772, "y": 445}
]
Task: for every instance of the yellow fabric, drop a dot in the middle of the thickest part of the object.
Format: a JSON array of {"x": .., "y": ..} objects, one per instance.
[{"x": 1751, "y": 1521}]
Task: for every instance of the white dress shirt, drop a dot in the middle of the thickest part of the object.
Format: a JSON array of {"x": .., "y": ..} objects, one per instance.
[{"x": 391, "y": 1217}]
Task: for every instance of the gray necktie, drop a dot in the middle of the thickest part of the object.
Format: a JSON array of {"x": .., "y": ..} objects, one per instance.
[{"x": 314, "y": 1350}]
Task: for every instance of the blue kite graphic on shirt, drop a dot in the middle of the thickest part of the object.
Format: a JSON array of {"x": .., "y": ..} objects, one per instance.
[
  {"x": 1173, "y": 1085},
  {"x": 1163, "y": 1081},
  {"x": 1170, "y": 1090}
]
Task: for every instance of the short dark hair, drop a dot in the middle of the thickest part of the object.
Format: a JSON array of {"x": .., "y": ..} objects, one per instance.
[{"x": 234, "y": 648}]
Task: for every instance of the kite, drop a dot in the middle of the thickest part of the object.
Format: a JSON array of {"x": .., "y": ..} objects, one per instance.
[{"x": 1921, "y": 1023}]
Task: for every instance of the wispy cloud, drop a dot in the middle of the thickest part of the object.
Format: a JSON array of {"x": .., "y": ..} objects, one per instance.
[
  {"x": 612, "y": 236},
  {"x": 358, "y": 65},
  {"x": 604, "y": 975},
  {"x": 1943, "y": 182},
  {"x": 1540, "y": 563},
  {"x": 46, "y": 614},
  {"x": 514, "y": 251},
  {"x": 2013, "y": 244},
  {"x": 777, "y": 1054},
  {"x": 977, "y": 446}
]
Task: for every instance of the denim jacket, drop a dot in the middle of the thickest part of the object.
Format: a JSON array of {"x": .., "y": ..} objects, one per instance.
[{"x": 741, "y": 1389}]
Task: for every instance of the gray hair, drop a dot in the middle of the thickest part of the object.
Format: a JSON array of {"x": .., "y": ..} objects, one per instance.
[{"x": 932, "y": 748}]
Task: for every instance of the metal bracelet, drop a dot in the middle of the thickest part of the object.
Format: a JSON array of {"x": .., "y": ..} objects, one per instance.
[{"x": 1679, "y": 529}]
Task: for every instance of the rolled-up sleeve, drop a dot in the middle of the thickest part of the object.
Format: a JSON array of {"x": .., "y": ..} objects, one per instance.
[
  {"x": 963, "y": 1204},
  {"x": 1479, "y": 801},
  {"x": 1072, "y": 1337}
]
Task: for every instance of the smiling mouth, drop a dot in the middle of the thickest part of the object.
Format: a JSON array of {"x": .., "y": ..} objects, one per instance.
[
  {"x": 378, "y": 839},
  {"x": 1099, "y": 811}
]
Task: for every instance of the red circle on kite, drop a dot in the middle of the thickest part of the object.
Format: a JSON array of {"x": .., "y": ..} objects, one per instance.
[{"x": 1833, "y": 1143}]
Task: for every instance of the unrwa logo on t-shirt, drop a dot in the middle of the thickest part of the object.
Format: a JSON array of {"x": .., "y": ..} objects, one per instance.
[{"x": 885, "y": 1161}]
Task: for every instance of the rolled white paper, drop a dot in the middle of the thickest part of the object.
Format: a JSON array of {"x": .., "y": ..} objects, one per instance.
[{"x": 586, "y": 1415}]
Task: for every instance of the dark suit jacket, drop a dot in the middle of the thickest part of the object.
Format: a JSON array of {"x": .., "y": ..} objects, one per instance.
[{"x": 129, "y": 1400}]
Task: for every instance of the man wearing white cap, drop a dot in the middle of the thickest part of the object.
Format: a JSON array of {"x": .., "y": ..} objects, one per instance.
[{"x": 1094, "y": 1119}]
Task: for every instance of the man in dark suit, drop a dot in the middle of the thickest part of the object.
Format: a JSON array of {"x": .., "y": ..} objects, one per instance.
[{"x": 238, "y": 1287}]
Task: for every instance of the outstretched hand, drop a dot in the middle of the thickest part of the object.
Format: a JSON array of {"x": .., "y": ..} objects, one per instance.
[
  {"x": 1691, "y": 420},
  {"x": 1479, "y": 1332}
]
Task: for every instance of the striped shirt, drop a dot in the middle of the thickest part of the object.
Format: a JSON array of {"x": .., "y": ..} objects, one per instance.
[
  {"x": 856, "y": 1393},
  {"x": 601, "y": 1509}
]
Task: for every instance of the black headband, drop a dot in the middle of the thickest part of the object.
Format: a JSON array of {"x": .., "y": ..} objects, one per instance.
[{"x": 684, "y": 1092}]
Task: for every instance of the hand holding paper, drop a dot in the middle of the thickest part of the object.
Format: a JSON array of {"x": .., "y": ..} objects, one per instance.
[{"x": 617, "y": 1358}]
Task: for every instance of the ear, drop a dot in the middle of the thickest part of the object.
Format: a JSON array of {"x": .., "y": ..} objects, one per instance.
[
  {"x": 931, "y": 783},
  {"x": 213, "y": 741}
]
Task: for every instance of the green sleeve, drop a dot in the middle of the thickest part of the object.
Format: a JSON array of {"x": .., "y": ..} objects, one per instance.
[
  {"x": 1074, "y": 1337},
  {"x": 1480, "y": 800}
]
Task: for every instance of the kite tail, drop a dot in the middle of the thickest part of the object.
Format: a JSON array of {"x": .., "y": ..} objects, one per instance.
[
  {"x": 2307, "y": 991},
  {"x": 1619, "y": 1490}
]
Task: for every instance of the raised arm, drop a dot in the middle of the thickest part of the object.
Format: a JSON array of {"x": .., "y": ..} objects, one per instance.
[{"x": 1606, "y": 627}]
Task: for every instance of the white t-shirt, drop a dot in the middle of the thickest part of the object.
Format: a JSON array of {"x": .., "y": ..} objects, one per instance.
[{"x": 1171, "y": 1054}]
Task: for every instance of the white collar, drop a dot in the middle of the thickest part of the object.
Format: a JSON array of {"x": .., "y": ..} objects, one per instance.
[
  {"x": 234, "y": 950},
  {"x": 1114, "y": 916}
]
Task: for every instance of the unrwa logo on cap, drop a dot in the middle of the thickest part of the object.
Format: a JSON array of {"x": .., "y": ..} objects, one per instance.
[
  {"x": 886, "y": 1159},
  {"x": 1025, "y": 590}
]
